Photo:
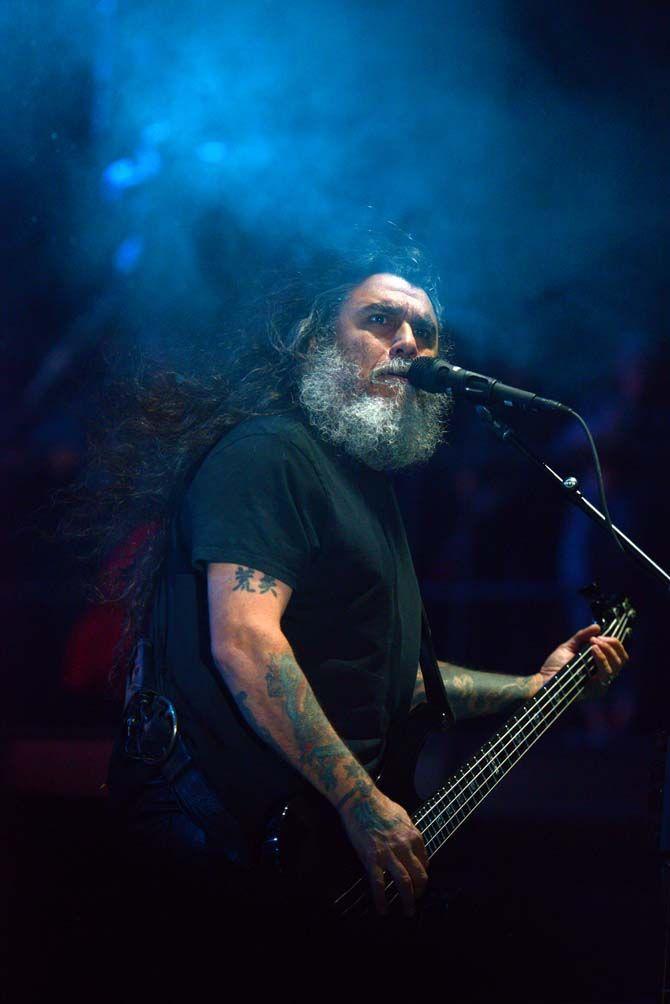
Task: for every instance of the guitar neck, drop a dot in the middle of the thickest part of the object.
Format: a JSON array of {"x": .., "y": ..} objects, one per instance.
[{"x": 441, "y": 815}]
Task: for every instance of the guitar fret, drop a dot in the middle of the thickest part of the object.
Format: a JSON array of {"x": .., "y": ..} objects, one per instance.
[
  {"x": 452, "y": 804},
  {"x": 441, "y": 815}
]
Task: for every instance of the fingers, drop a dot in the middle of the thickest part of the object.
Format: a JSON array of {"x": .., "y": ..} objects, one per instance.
[
  {"x": 583, "y": 635},
  {"x": 404, "y": 885},
  {"x": 582, "y": 638},
  {"x": 410, "y": 877},
  {"x": 415, "y": 860},
  {"x": 378, "y": 889},
  {"x": 386, "y": 840},
  {"x": 610, "y": 656},
  {"x": 418, "y": 874},
  {"x": 419, "y": 850}
]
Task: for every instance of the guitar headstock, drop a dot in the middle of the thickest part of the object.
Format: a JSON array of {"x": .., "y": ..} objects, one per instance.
[{"x": 607, "y": 608}]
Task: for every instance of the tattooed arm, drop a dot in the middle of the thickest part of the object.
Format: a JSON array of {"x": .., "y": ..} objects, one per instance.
[
  {"x": 472, "y": 692},
  {"x": 258, "y": 666}
]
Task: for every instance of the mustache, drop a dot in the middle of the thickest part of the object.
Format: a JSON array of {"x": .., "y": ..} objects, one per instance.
[{"x": 394, "y": 367}]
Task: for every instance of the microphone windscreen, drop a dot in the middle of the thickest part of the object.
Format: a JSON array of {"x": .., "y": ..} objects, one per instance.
[{"x": 424, "y": 373}]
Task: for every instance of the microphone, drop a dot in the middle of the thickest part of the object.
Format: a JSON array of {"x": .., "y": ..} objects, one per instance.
[{"x": 437, "y": 377}]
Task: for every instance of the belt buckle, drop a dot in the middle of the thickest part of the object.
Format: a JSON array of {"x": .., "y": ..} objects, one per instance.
[{"x": 150, "y": 726}]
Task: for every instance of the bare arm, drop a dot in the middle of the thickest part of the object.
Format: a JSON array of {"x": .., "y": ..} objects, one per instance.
[{"x": 257, "y": 664}]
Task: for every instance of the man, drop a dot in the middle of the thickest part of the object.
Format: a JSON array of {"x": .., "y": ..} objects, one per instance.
[{"x": 287, "y": 624}]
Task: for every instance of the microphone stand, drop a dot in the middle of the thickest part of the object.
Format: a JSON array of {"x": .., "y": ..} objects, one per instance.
[{"x": 570, "y": 488}]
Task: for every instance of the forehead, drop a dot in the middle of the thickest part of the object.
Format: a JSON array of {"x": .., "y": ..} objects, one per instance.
[{"x": 387, "y": 287}]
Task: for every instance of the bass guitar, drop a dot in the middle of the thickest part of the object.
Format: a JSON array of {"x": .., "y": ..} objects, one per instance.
[{"x": 306, "y": 843}]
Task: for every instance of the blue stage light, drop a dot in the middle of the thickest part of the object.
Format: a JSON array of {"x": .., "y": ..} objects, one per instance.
[
  {"x": 128, "y": 253},
  {"x": 120, "y": 174},
  {"x": 126, "y": 173}
]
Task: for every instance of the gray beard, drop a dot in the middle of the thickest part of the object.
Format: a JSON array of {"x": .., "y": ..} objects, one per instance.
[{"x": 386, "y": 433}]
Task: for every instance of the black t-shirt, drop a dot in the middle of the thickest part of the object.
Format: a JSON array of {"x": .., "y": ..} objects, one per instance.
[{"x": 273, "y": 496}]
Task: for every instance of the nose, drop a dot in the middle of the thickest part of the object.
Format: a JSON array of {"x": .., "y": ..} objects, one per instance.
[{"x": 403, "y": 345}]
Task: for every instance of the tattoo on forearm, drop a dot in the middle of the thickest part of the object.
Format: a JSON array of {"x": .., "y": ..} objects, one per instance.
[
  {"x": 368, "y": 818},
  {"x": 473, "y": 693},
  {"x": 327, "y": 762},
  {"x": 363, "y": 810},
  {"x": 284, "y": 680},
  {"x": 362, "y": 785},
  {"x": 358, "y": 788},
  {"x": 244, "y": 577}
]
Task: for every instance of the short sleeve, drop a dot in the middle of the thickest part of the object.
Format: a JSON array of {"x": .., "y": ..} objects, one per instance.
[{"x": 255, "y": 501}]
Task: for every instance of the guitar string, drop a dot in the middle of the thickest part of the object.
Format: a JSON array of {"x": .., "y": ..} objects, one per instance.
[
  {"x": 390, "y": 888},
  {"x": 569, "y": 688},
  {"x": 527, "y": 713},
  {"x": 573, "y": 682},
  {"x": 434, "y": 843},
  {"x": 569, "y": 694},
  {"x": 497, "y": 749}
]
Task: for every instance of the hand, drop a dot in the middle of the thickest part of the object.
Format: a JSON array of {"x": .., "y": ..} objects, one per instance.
[
  {"x": 609, "y": 654},
  {"x": 386, "y": 840}
]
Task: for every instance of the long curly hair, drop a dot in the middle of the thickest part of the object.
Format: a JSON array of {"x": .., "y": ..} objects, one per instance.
[{"x": 159, "y": 425}]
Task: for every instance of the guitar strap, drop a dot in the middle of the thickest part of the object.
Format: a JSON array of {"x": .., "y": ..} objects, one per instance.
[{"x": 436, "y": 693}]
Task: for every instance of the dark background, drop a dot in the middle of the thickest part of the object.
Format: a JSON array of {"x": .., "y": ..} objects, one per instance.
[{"x": 157, "y": 158}]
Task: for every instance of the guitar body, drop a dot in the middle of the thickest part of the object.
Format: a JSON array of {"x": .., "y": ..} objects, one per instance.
[{"x": 305, "y": 843}]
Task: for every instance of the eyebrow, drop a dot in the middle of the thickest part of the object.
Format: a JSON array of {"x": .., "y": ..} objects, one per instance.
[{"x": 422, "y": 323}]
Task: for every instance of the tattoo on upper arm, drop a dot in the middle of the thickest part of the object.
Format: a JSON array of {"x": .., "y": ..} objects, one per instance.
[
  {"x": 267, "y": 585},
  {"x": 244, "y": 577}
]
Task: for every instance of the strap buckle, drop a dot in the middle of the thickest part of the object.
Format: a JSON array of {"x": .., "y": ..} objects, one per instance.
[{"x": 150, "y": 727}]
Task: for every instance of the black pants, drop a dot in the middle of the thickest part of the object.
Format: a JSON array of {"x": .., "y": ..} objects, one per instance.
[
  {"x": 192, "y": 909},
  {"x": 178, "y": 839}
]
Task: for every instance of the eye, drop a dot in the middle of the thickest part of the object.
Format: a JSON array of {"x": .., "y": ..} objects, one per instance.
[
  {"x": 377, "y": 319},
  {"x": 426, "y": 336}
]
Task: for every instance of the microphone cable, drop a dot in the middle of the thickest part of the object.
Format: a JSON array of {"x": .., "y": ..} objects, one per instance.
[{"x": 600, "y": 479}]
